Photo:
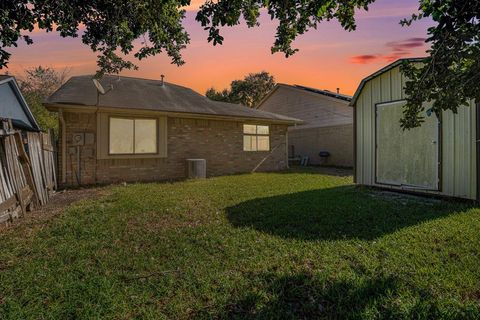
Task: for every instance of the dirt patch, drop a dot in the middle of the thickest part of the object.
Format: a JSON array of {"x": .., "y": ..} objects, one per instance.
[{"x": 58, "y": 202}]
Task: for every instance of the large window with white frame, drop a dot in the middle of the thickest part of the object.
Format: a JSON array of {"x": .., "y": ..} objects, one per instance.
[
  {"x": 256, "y": 137},
  {"x": 132, "y": 136}
]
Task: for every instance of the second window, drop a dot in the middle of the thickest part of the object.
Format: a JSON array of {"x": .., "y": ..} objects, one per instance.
[{"x": 256, "y": 138}]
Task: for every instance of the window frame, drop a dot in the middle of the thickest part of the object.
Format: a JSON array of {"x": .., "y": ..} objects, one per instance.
[
  {"x": 157, "y": 149},
  {"x": 256, "y": 135}
]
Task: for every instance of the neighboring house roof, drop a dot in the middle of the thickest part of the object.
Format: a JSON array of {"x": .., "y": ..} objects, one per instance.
[
  {"x": 317, "y": 108},
  {"x": 327, "y": 93},
  {"x": 145, "y": 94},
  {"x": 379, "y": 72},
  {"x": 14, "y": 106}
]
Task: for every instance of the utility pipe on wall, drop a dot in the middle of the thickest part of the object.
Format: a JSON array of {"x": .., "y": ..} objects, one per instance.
[{"x": 64, "y": 146}]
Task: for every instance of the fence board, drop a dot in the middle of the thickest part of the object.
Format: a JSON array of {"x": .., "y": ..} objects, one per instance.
[{"x": 27, "y": 177}]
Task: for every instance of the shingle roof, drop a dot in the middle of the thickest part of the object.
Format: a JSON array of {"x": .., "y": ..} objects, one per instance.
[
  {"x": 145, "y": 94},
  {"x": 326, "y": 93}
]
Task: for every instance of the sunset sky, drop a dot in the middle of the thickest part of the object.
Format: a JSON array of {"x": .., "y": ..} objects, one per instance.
[{"x": 329, "y": 57}]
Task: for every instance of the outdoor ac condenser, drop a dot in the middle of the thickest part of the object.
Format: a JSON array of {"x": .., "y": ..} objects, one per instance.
[{"x": 196, "y": 168}]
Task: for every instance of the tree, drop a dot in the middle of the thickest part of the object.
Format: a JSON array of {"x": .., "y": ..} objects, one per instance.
[
  {"x": 110, "y": 27},
  {"x": 295, "y": 17},
  {"x": 38, "y": 84},
  {"x": 450, "y": 76},
  {"x": 215, "y": 95},
  {"x": 249, "y": 91}
]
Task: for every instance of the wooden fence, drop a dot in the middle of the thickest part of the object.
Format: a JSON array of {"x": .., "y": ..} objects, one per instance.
[{"x": 27, "y": 171}]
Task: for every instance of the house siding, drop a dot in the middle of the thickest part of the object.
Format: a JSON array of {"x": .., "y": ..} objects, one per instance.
[
  {"x": 338, "y": 140},
  {"x": 458, "y": 136},
  {"x": 328, "y": 124},
  {"x": 219, "y": 142}
]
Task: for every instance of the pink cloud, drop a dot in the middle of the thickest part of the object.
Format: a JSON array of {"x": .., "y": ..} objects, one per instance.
[
  {"x": 398, "y": 49},
  {"x": 364, "y": 59},
  {"x": 406, "y": 44}
]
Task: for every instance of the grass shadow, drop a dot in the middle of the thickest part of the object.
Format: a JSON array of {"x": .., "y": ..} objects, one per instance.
[
  {"x": 336, "y": 213},
  {"x": 305, "y": 296}
]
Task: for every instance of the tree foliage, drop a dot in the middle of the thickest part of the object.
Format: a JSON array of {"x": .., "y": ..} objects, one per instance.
[
  {"x": 249, "y": 91},
  {"x": 108, "y": 27},
  {"x": 39, "y": 83},
  {"x": 295, "y": 17},
  {"x": 450, "y": 76}
]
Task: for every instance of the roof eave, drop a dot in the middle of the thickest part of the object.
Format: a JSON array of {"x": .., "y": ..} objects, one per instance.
[
  {"x": 23, "y": 102},
  {"x": 80, "y": 107},
  {"x": 268, "y": 95},
  {"x": 377, "y": 73}
]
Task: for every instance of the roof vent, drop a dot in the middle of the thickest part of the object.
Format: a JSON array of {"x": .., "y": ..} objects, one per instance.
[{"x": 162, "y": 82}]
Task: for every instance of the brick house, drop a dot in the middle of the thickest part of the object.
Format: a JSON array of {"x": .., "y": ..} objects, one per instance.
[
  {"x": 327, "y": 123},
  {"x": 144, "y": 130}
]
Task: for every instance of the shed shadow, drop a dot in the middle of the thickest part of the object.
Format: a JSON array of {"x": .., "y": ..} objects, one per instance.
[
  {"x": 304, "y": 296},
  {"x": 336, "y": 213}
]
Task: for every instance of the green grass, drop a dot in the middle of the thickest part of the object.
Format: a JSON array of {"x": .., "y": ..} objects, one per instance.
[{"x": 293, "y": 245}]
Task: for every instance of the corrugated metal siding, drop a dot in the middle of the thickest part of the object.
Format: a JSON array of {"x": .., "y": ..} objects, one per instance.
[{"x": 458, "y": 172}]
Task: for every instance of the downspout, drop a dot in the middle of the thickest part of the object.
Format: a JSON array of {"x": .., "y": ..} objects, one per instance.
[
  {"x": 64, "y": 146},
  {"x": 477, "y": 143},
  {"x": 354, "y": 143},
  {"x": 286, "y": 148}
]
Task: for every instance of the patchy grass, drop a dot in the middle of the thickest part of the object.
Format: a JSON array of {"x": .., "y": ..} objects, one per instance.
[{"x": 292, "y": 245}]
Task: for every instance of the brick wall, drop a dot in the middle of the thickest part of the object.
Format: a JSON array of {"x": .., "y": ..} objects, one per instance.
[
  {"x": 219, "y": 142},
  {"x": 338, "y": 140}
]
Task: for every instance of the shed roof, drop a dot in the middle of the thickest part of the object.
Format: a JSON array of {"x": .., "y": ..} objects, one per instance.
[
  {"x": 379, "y": 72},
  {"x": 146, "y": 94},
  {"x": 14, "y": 106}
]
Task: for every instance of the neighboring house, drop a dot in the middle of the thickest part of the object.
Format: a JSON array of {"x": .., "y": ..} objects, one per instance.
[
  {"x": 13, "y": 106},
  {"x": 328, "y": 123},
  {"x": 144, "y": 130},
  {"x": 439, "y": 157}
]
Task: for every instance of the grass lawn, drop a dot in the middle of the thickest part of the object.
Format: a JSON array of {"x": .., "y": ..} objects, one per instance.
[{"x": 292, "y": 245}]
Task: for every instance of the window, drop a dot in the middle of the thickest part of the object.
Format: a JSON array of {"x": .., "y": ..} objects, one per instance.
[
  {"x": 256, "y": 138},
  {"x": 132, "y": 136}
]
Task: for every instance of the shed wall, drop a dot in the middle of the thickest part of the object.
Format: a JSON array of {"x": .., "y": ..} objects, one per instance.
[
  {"x": 458, "y": 131},
  {"x": 11, "y": 107}
]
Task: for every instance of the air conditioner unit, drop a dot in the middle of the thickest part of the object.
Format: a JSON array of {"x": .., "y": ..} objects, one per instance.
[{"x": 196, "y": 168}]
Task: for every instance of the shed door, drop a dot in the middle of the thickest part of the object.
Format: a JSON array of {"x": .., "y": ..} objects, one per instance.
[{"x": 406, "y": 158}]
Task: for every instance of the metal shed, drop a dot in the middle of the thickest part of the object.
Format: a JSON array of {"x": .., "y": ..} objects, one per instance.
[{"x": 438, "y": 158}]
